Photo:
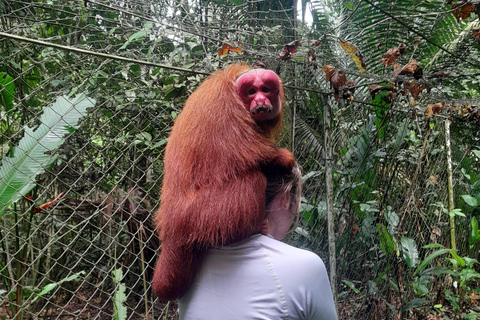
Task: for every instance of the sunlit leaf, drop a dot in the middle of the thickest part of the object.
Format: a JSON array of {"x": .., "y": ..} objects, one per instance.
[{"x": 354, "y": 53}]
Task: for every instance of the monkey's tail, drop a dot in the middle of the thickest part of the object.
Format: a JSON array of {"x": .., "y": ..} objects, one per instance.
[{"x": 176, "y": 269}]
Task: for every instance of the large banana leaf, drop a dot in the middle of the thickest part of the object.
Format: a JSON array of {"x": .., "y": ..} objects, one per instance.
[{"x": 18, "y": 173}]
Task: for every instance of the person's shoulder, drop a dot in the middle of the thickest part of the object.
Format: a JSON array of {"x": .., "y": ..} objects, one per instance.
[{"x": 290, "y": 253}]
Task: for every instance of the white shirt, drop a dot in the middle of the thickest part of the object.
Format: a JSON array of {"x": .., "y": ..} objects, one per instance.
[{"x": 259, "y": 278}]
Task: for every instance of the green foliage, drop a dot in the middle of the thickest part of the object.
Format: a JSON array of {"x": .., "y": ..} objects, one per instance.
[
  {"x": 431, "y": 257},
  {"x": 119, "y": 297},
  {"x": 381, "y": 104},
  {"x": 474, "y": 236},
  {"x": 409, "y": 251},
  {"x": 49, "y": 287},
  {"x": 7, "y": 91},
  {"x": 387, "y": 242},
  {"x": 414, "y": 304},
  {"x": 30, "y": 158},
  {"x": 471, "y": 201},
  {"x": 454, "y": 212}
]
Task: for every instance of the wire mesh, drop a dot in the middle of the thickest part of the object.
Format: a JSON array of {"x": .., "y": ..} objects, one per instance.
[{"x": 77, "y": 237}]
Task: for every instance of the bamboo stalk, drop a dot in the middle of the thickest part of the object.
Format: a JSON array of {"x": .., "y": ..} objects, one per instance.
[
  {"x": 329, "y": 182},
  {"x": 451, "y": 205}
]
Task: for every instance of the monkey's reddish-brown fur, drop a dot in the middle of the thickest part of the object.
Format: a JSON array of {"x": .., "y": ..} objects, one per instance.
[{"x": 214, "y": 184}]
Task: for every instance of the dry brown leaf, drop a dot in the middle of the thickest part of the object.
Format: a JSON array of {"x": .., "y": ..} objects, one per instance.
[
  {"x": 338, "y": 79},
  {"x": 348, "y": 91},
  {"x": 476, "y": 33},
  {"x": 392, "y": 54},
  {"x": 415, "y": 88},
  {"x": 429, "y": 111},
  {"x": 397, "y": 68},
  {"x": 329, "y": 70},
  {"x": 463, "y": 9},
  {"x": 413, "y": 67},
  {"x": 289, "y": 49},
  {"x": 229, "y": 47},
  {"x": 434, "y": 109}
]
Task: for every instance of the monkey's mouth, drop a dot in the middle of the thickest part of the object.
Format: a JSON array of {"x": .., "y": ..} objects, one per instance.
[{"x": 262, "y": 109}]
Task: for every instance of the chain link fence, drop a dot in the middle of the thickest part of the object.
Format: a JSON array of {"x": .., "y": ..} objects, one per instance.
[{"x": 90, "y": 89}]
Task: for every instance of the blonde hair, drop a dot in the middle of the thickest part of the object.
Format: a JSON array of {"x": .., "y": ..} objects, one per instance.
[{"x": 285, "y": 183}]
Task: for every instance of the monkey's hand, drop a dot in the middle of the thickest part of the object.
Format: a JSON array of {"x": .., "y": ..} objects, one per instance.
[
  {"x": 285, "y": 159},
  {"x": 282, "y": 163}
]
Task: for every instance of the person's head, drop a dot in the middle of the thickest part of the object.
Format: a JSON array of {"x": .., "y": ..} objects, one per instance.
[{"x": 283, "y": 201}]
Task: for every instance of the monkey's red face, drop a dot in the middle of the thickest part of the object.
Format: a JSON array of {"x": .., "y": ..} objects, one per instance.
[{"x": 259, "y": 90}]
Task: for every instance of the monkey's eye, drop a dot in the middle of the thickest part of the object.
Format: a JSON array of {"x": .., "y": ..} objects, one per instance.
[
  {"x": 265, "y": 90},
  {"x": 252, "y": 91}
]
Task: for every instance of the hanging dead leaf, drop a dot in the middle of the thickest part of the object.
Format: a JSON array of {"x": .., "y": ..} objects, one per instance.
[
  {"x": 336, "y": 77},
  {"x": 416, "y": 41},
  {"x": 354, "y": 53},
  {"x": 329, "y": 70},
  {"x": 392, "y": 54},
  {"x": 476, "y": 33},
  {"x": 348, "y": 91},
  {"x": 463, "y": 9},
  {"x": 429, "y": 111},
  {"x": 289, "y": 49},
  {"x": 413, "y": 68},
  {"x": 337, "y": 80},
  {"x": 230, "y": 47},
  {"x": 397, "y": 68},
  {"x": 415, "y": 88},
  {"x": 434, "y": 109}
]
